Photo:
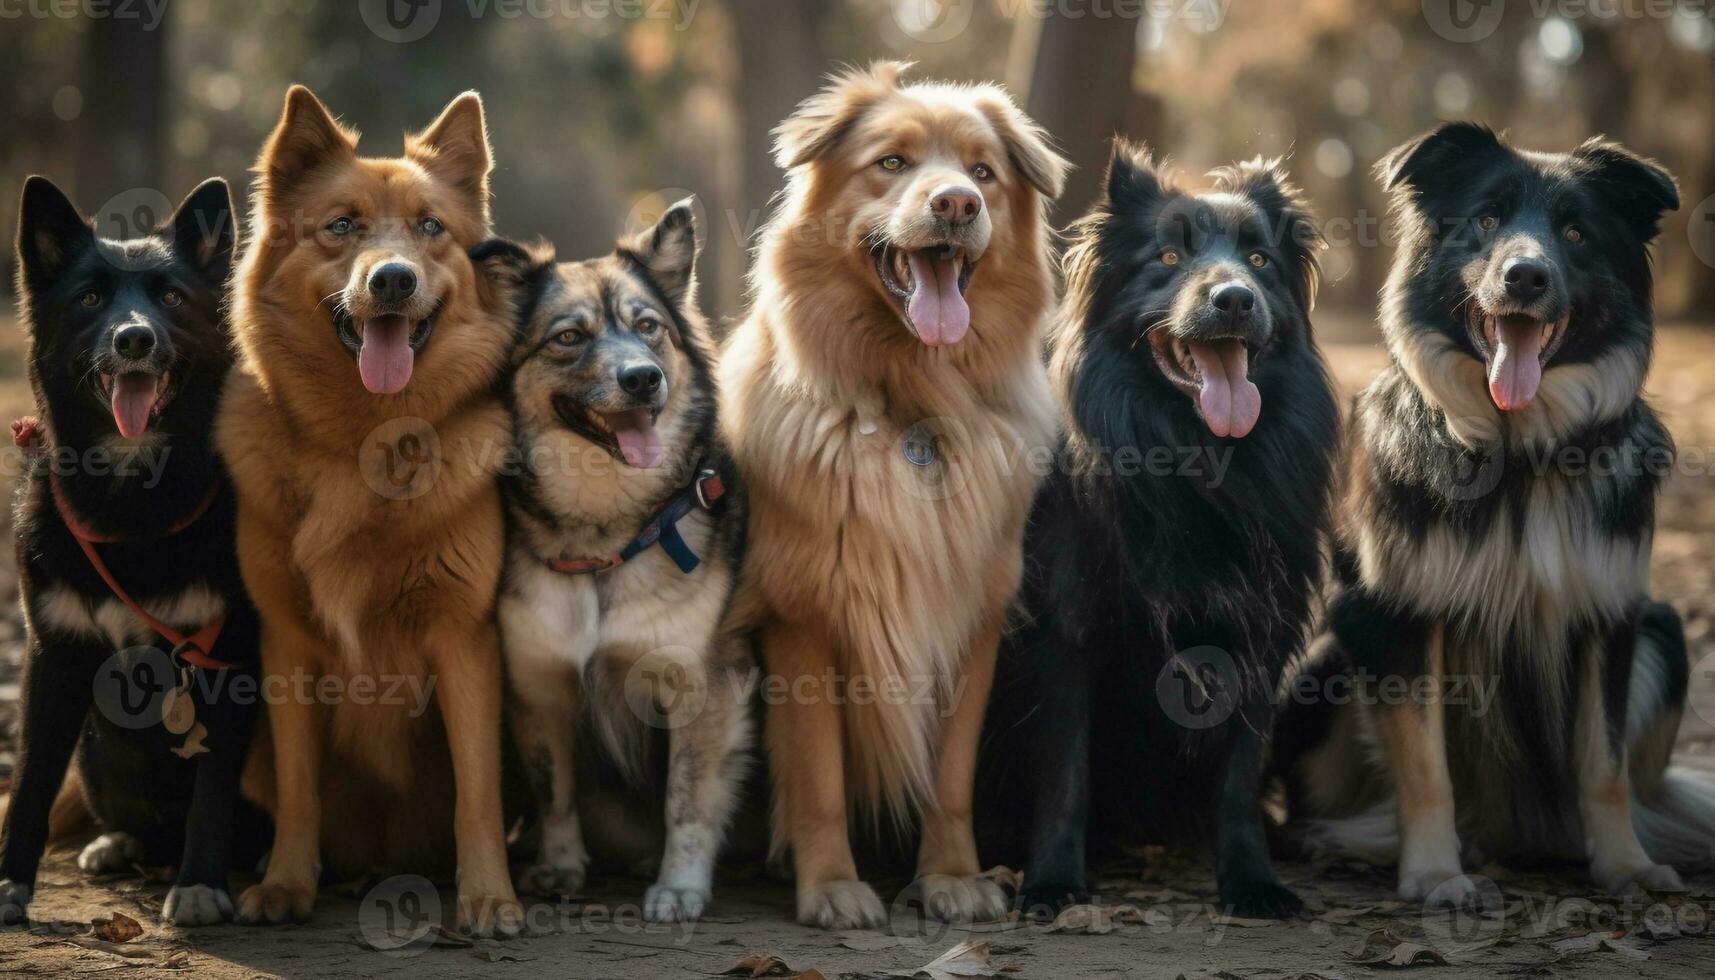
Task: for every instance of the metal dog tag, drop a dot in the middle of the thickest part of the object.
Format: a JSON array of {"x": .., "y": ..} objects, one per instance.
[{"x": 178, "y": 711}]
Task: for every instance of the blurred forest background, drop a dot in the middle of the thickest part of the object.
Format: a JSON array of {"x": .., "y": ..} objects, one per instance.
[{"x": 600, "y": 109}]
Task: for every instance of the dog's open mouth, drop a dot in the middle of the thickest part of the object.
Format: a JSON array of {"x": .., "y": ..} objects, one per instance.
[
  {"x": 930, "y": 284},
  {"x": 137, "y": 399},
  {"x": 386, "y": 347},
  {"x": 1215, "y": 375},
  {"x": 630, "y": 435},
  {"x": 1515, "y": 348}
]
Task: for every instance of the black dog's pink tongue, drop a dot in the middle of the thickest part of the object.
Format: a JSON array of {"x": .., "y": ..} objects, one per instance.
[
  {"x": 1230, "y": 401},
  {"x": 385, "y": 359},
  {"x": 1516, "y": 371},
  {"x": 638, "y": 441},
  {"x": 134, "y": 397}
]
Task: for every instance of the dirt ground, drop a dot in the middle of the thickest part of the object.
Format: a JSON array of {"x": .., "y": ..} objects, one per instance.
[{"x": 1158, "y": 918}]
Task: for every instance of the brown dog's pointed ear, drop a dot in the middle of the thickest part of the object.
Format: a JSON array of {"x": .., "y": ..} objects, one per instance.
[
  {"x": 50, "y": 233},
  {"x": 455, "y": 148},
  {"x": 1028, "y": 146},
  {"x": 668, "y": 252},
  {"x": 306, "y": 138},
  {"x": 823, "y": 119}
]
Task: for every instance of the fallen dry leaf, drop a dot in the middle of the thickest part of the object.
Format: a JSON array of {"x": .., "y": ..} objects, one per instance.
[
  {"x": 967, "y": 959},
  {"x": 1005, "y": 877},
  {"x": 1600, "y": 942},
  {"x": 117, "y": 928},
  {"x": 760, "y": 965},
  {"x": 1407, "y": 954}
]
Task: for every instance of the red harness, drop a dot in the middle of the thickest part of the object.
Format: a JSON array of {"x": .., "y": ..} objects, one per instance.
[{"x": 193, "y": 649}]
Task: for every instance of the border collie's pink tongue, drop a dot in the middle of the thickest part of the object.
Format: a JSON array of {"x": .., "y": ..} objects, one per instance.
[
  {"x": 638, "y": 441},
  {"x": 937, "y": 308},
  {"x": 1230, "y": 401},
  {"x": 1516, "y": 370},
  {"x": 385, "y": 359},
  {"x": 134, "y": 397}
]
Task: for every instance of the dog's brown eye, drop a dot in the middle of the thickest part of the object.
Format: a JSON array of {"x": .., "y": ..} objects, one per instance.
[
  {"x": 171, "y": 298},
  {"x": 569, "y": 338},
  {"x": 648, "y": 326},
  {"x": 1258, "y": 260},
  {"x": 430, "y": 227},
  {"x": 982, "y": 171},
  {"x": 90, "y": 299},
  {"x": 341, "y": 226},
  {"x": 1170, "y": 257},
  {"x": 1574, "y": 234},
  {"x": 893, "y": 163},
  {"x": 1488, "y": 222}
]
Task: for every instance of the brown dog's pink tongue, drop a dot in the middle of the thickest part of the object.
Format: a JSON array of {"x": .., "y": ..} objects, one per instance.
[
  {"x": 1516, "y": 370},
  {"x": 133, "y": 399},
  {"x": 937, "y": 309},
  {"x": 638, "y": 441},
  {"x": 385, "y": 359},
  {"x": 1229, "y": 401}
]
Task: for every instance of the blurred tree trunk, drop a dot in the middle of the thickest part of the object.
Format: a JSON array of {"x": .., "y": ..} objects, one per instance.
[
  {"x": 1700, "y": 303},
  {"x": 781, "y": 61},
  {"x": 1080, "y": 88},
  {"x": 122, "y": 128}
]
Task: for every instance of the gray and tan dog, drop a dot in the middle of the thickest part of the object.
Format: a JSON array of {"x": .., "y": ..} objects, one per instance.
[{"x": 623, "y": 546}]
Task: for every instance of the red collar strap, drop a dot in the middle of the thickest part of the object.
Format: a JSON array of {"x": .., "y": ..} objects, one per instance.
[
  {"x": 193, "y": 649},
  {"x": 663, "y": 529}
]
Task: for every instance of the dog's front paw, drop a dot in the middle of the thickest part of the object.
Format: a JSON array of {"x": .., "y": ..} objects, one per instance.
[
  {"x": 1260, "y": 900},
  {"x": 841, "y": 905},
  {"x": 273, "y": 902},
  {"x": 665, "y": 903},
  {"x": 961, "y": 899},
  {"x": 490, "y": 916},
  {"x": 547, "y": 880},
  {"x": 14, "y": 901},
  {"x": 115, "y": 851},
  {"x": 197, "y": 905},
  {"x": 1448, "y": 889},
  {"x": 1627, "y": 880}
]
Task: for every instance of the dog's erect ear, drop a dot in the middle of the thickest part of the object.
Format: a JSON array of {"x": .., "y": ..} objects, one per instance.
[
  {"x": 1641, "y": 188},
  {"x": 1028, "y": 146},
  {"x": 203, "y": 231},
  {"x": 455, "y": 149},
  {"x": 50, "y": 232},
  {"x": 1437, "y": 153},
  {"x": 823, "y": 119},
  {"x": 507, "y": 263},
  {"x": 668, "y": 252},
  {"x": 1291, "y": 224},
  {"x": 1133, "y": 180},
  {"x": 305, "y": 139}
]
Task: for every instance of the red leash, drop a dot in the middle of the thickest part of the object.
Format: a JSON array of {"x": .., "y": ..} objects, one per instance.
[{"x": 193, "y": 649}]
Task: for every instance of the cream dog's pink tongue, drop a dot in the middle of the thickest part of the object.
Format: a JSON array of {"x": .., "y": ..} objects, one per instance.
[
  {"x": 937, "y": 309},
  {"x": 1229, "y": 400},
  {"x": 1516, "y": 370},
  {"x": 638, "y": 441},
  {"x": 134, "y": 397},
  {"x": 385, "y": 359}
]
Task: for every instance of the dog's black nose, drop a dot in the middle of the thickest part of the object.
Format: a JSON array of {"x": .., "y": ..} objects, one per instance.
[
  {"x": 956, "y": 205},
  {"x": 392, "y": 282},
  {"x": 134, "y": 341},
  {"x": 1233, "y": 300},
  {"x": 643, "y": 379},
  {"x": 1526, "y": 278}
]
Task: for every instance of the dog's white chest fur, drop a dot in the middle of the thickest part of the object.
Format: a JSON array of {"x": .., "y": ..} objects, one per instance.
[{"x": 111, "y": 620}]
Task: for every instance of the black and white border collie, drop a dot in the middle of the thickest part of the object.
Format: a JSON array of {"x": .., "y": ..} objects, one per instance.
[{"x": 1495, "y": 545}]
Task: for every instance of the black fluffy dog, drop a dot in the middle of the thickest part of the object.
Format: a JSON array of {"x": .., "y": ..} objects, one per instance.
[
  {"x": 1174, "y": 555},
  {"x": 1495, "y": 547},
  {"x": 128, "y": 348}
]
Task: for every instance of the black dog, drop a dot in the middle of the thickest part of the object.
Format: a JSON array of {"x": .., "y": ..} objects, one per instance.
[
  {"x": 128, "y": 349},
  {"x": 1173, "y": 556},
  {"x": 1500, "y": 504}
]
